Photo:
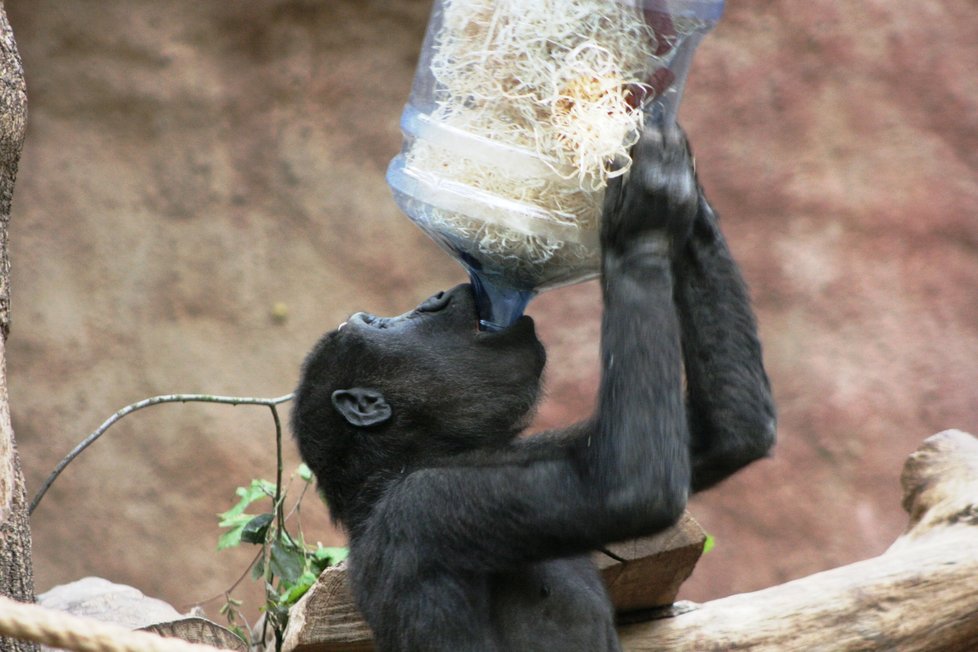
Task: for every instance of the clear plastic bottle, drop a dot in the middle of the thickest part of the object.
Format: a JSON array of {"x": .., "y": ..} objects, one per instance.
[{"x": 520, "y": 112}]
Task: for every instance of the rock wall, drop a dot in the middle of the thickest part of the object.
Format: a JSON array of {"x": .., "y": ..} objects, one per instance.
[{"x": 201, "y": 195}]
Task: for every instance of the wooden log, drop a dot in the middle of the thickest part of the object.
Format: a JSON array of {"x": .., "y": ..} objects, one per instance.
[
  {"x": 920, "y": 595},
  {"x": 199, "y": 630},
  {"x": 326, "y": 620},
  {"x": 99, "y": 599}
]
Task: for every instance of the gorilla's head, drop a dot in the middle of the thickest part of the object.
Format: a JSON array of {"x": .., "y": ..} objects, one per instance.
[{"x": 382, "y": 394}]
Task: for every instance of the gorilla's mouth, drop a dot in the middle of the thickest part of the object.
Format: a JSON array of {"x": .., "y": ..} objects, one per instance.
[{"x": 373, "y": 320}]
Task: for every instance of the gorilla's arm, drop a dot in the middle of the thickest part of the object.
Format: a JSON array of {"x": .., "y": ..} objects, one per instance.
[
  {"x": 729, "y": 406},
  {"x": 626, "y": 472}
]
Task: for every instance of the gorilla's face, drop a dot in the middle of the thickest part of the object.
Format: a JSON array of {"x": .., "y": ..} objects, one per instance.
[
  {"x": 435, "y": 366},
  {"x": 441, "y": 338}
]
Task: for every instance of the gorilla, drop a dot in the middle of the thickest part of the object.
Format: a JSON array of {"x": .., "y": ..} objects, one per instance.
[{"x": 466, "y": 536}]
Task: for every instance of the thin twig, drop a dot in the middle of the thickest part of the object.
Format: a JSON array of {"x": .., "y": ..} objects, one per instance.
[
  {"x": 295, "y": 507},
  {"x": 226, "y": 592},
  {"x": 279, "y": 530},
  {"x": 279, "y": 501},
  {"x": 157, "y": 400}
]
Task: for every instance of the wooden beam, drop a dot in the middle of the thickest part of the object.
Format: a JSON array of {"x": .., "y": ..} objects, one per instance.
[{"x": 920, "y": 595}]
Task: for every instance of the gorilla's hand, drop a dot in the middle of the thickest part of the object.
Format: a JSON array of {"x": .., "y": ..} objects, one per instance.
[{"x": 652, "y": 207}]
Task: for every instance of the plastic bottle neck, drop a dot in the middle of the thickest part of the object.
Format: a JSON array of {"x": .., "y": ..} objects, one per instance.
[{"x": 498, "y": 306}]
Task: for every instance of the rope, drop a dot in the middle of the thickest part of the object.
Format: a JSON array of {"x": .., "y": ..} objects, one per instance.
[{"x": 30, "y": 622}]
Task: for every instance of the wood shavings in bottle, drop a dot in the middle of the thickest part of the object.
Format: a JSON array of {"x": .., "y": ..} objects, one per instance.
[{"x": 555, "y": 81}]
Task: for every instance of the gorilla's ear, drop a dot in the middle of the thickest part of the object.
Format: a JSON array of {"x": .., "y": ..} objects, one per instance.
[{"x": 361, "y": 406}]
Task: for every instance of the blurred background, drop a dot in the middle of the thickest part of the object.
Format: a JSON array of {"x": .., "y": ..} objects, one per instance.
[{"x": 202, "y": 194}]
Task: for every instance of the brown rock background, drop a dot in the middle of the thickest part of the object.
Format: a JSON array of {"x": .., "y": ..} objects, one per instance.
[{"x": 190, "y": 165}]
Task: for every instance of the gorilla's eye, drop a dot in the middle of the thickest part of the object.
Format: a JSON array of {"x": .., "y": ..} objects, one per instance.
[{"x": 435, "y": 303}]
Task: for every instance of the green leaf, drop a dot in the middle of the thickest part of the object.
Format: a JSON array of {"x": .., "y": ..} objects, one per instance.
[
  {"x": 304, "y": 472},
  {"x": 709, "y": 544},
  {"x": 236, "y": 524},
  {"x": 229, "y": 539},
  {"x": 323, "y": 557},
  {"x": 258, "y": 570},
  {"x": 288, "y": 562},
  {"x": 257, "y": 528},
  {"x": 236, "y": 518},
  {"x": 257, "y": 490},
  {"x": 318, "y": 565},
  {"x": 297, "y": 590}
]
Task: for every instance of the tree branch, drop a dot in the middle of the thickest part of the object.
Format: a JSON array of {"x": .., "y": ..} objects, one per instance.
[{"x": 158, "y": 400}]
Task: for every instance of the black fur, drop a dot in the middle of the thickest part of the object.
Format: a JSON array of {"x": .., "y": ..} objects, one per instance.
[{"x": 464, "y": 536}]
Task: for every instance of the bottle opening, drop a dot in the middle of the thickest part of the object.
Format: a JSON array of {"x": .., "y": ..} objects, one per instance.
[{"x": 498, "y": 306}]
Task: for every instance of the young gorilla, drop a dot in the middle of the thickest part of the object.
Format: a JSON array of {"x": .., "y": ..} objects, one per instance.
[{"x": 464, "y": 536}]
